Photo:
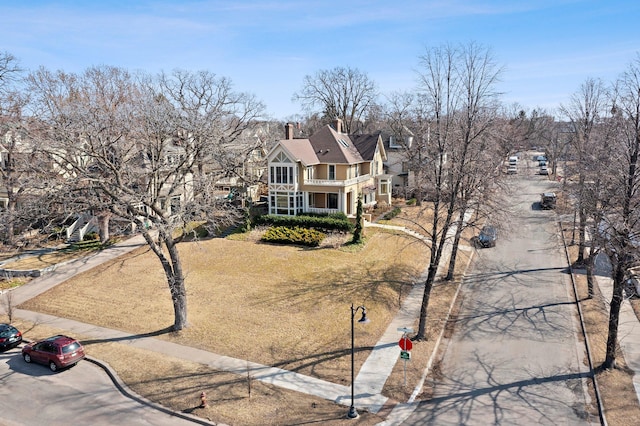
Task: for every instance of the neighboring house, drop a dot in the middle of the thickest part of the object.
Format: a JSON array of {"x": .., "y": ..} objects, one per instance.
[
  {"x": 397, "y": 164},
  {"x": 327, "y": 172}
]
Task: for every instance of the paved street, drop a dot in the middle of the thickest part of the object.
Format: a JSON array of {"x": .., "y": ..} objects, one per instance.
[
  {"x": 515, "y": 357},
  {"x": 81, "y": 395}
]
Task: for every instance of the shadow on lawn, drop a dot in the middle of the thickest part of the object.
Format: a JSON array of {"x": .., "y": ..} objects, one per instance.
[{"x": 160, "y": 332}]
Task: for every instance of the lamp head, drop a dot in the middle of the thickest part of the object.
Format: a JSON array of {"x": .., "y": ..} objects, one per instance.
[{"x": 364, "y": 319}]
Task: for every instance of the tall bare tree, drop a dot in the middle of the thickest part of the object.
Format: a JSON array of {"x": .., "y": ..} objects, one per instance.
[
  {"x": 343, "y": 92},
  {"x": 137, "y": 149},
  {"x": 451, "y": 120},
  {"x": 585, "y": 112},
  {"x": 621, "y": 218},
  {"x": 16, "y": 153}
]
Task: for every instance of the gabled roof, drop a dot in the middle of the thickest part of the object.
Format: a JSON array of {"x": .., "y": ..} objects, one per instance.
[
  {"x": 301, "y": 150},
  {"x": 327, "y": 146},
  {"x": 367, "y": 145}
]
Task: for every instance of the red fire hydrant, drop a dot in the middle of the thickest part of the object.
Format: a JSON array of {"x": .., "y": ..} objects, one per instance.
[{"x": 203, "y": 400}]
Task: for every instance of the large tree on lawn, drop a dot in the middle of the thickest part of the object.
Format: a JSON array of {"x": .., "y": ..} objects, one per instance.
[{"x": 136, "y": 148}]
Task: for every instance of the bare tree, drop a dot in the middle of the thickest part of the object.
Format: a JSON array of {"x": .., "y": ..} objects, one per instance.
[
  {"x": 139, "y": 149},
  {"x": 8, "y": 304},
  {"x": 451, "y": 120},
  {"x": 584, "y": 111},
  {"x": 344, "y": 93},
  {"x": 17, "y": 182},
  {"x": 621, "y": 218}
]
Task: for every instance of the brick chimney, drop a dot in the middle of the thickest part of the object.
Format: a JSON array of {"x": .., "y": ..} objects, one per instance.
[
  {"x": 337, "y": 125},
  {"x": 288, "y": 131}
]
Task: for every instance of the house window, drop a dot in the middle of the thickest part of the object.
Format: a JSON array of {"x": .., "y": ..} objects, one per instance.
[
  {"x": 310, "y": 172},
  {"x": 384, "y": 187},
  {"x": 281, "y": 174},
  {"x": 332, "y": 172},
  {"x": 393, "y": 143},
  {"x": 286, "y": 203},
  {"x": 332, "y": 201},
  {"x": 405, "y": 166}
]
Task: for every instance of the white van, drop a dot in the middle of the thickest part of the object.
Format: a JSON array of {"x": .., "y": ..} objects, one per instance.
[{"x": 513, "y": 160}]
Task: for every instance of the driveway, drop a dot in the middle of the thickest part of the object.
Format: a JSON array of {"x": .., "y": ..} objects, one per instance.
[
  {"x": 515, "y": 356},
  {"x": 31, "y": 394}
]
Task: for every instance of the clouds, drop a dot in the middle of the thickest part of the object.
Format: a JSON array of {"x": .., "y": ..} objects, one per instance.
[{"x": 267, "y": 47}]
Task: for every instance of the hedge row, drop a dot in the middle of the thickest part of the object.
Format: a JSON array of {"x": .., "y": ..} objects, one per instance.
[
  {"x": 337, "y": 222},
  {"x": 296, "y": 235},
  {"x": 393, "y": 213}
]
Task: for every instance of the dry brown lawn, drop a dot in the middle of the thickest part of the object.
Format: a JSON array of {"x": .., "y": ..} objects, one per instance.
[
  {"x": 45, "y": 260},
  {"x": 276, "y": 305},
  {"x": 616, "y": 387}
]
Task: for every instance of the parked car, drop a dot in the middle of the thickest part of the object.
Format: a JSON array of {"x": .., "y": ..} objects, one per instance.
[
  {"x": 544, "y": 170},
  {"x": 512, "y": 169},
  {"x": 488, "y": 236},
  {"x": 56, "y": 351},
  {"x": 632, "y": 287},
  {"x": 548, "y": 200},
  {"x": 10, "y": 337}
]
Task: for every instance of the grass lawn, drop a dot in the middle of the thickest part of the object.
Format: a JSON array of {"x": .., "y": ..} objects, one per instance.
[{"x": 276, "y": 305}]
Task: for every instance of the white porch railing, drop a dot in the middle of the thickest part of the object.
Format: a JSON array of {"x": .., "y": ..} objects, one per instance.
[
  {"x": 327, "y": 182},
  {"x": 322, "y": 211}
]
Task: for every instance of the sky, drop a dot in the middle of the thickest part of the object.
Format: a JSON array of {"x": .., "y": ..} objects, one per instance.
[{"x": 546, "y": 48}]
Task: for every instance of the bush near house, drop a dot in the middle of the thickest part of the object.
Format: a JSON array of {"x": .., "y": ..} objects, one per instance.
[
  {"x": 391, "y": 214},
  {"x": 336, "y": 222},
  {"x": 295, "y": 235}
]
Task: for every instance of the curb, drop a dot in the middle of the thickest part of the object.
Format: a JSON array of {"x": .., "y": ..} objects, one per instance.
[
  {"x": 127, "y": 392},
  {"x": 587, "y": 345}
]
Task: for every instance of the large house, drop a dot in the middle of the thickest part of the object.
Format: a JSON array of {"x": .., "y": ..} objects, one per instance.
[{"x": 327, "y": 172}]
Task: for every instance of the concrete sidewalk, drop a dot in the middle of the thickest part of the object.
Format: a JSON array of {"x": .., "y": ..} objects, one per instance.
[{"x": 628, "y": 330}]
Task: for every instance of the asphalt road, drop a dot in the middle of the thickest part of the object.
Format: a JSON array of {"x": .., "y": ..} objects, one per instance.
[
  {"x": 30, "y": 394},
  {"x": 515, "y": 357}
]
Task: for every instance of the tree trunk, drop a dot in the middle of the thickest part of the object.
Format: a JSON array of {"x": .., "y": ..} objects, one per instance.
[
  {"x": 582, "y": 225},
  {"x": 428, "y": 285},
  {"x": 590, "y": 278},
  {"x": 614, "y": 318},
  {"x": 11, "y": 230},
  {"x": 434, "y": 261},
  {"x": 103, "y": 226},
  {"x": 454, "y": 248},
  {"x": 177, "y": 287},
  {"x": 173, "y": 271}
]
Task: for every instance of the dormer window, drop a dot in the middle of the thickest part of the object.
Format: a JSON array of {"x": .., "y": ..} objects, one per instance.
[{"x": 393, "y": 142}]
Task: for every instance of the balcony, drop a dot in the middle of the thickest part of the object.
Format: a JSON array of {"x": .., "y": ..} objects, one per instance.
[{"x": 335, "y": 183}]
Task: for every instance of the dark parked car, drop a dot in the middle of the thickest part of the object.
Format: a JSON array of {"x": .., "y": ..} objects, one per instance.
[
  {"x": 10, "y": 337},
  {"x": 548, "y": 200},
  {"x": 56, "y": 351},
  {"x": 488, "y": 236}
]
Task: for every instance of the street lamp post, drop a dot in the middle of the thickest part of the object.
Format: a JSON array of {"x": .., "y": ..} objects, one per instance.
[{"x": 353, "y": 413}]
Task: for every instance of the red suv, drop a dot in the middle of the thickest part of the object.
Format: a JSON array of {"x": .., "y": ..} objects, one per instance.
[{"x": 56, "y": 351}]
